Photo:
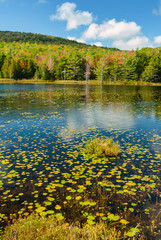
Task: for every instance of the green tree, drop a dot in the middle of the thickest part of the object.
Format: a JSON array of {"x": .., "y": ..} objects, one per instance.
[
  {"x": 60, "y": 66},
  {"x": 152, "y": 71},
  {"x": 75, "y": 66},
  {"x": 134, "y": 64},
  {"x": 31, "y": 68},
  {"x": 116, "y": 66},
  {"x": 2, "y": 57},
  {"x": 44, "y": 72},
  {"x": 6, "y": 68},
  {"x": 103, "y": 67}
]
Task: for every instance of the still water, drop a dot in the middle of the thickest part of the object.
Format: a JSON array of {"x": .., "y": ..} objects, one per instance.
[{"x": 43, "y": 129}]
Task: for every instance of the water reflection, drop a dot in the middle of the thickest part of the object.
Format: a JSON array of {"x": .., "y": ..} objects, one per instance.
[{"x": 101, "y": 106}]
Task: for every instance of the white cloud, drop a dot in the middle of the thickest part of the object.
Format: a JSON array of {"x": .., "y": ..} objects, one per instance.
[
  {"x": 75, "y": 39},
  {"x": 157, "y": 12},
  {"x": 157, "y": 40},
  {"x": 133, "y": 43},
  {"x": 112, "y": 30},
  {"x": 98, "y": 44},
  {"x": 125, "y": 35},
  {"x": 67, "y": 12}
]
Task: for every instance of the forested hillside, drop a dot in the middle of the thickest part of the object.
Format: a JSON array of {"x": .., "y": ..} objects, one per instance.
[
  {"x": 52, "y": 61},
  {"x": 22, "y": 37},
  {"x": 7, "y": 36}
]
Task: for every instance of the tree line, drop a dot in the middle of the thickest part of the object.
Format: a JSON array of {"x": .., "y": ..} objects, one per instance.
[
  {"x": 22, "y": 37},
  {"x": 20, "y": 60}
]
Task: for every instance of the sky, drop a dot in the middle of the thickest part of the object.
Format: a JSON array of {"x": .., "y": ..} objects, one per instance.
[{"x": 123, "y": 24}]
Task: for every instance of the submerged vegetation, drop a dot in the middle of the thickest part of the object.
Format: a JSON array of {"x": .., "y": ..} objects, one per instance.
[
  {"x": 102, "y": 146},
  {"x": 54, "y": 228}
]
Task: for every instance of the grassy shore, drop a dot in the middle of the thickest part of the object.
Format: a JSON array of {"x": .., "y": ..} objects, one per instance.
[
  {"x": 90, "y": 82},
  {"x": 51, "y": 228}
]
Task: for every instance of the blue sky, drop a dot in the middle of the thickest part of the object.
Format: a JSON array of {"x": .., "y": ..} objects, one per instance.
[{"x": 112, "y": 23}]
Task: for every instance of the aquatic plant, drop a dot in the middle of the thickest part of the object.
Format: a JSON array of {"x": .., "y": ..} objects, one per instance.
[
  {"x": 102, "y": 146},
  {"x": 48, "y": 228}
]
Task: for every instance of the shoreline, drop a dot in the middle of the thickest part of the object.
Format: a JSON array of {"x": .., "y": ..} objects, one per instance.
[{"x": 73, "y": 82}]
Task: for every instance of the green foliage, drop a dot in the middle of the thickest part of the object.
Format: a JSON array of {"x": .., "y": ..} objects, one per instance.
[
  {"x": 23, "y": 37},
  {"x": 101, "y": 147},
  {"x": 75, "y": 67},
  {"x": 29, "y": 55},
  {"x": 152, "y": 71},
  {"x": 134, "y": 65},
  {"x": 102, "y": 70},
  {"x": 7, "y": 36},
  {"x": 2, "y": 57}
]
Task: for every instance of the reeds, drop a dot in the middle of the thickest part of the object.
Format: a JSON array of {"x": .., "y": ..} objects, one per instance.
[
  {"x": 36, "y": 227},
  {"x": 103, "y": 147}
]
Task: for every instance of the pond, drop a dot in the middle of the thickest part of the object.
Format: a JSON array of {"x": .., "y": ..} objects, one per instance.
[{"x": 43, "y": 130}]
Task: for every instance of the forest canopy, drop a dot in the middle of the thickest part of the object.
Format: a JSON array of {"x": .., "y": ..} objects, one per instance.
[{"x": 29, "y": 55}]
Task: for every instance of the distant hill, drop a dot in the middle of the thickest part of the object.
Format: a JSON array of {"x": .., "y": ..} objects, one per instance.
[{"x": 8, "y": 36}]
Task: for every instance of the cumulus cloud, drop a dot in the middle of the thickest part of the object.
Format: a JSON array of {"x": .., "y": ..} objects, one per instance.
[
  {"x": 133, "y": 43},
  {"x": 157, "y": 11},
  {"x": 157, "y": 40},
  {"x": 67, "y": 12},
  {"x": 75, "y": 39},
  {"x": 98, "y": 44},
  {"x": 124, "y": 35},
  {"x": 112, "y": 30}
]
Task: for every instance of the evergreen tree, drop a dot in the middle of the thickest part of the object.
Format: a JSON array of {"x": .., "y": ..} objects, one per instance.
[
  {"x": 134, "y": 64},
  {"x": 75, "y": 66},
  {"x": 6, "y": 68},
  {"x": 2, "y": 57},
  {"x": 30, "y": 69},
  {"x": 152, "y": 71}
]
